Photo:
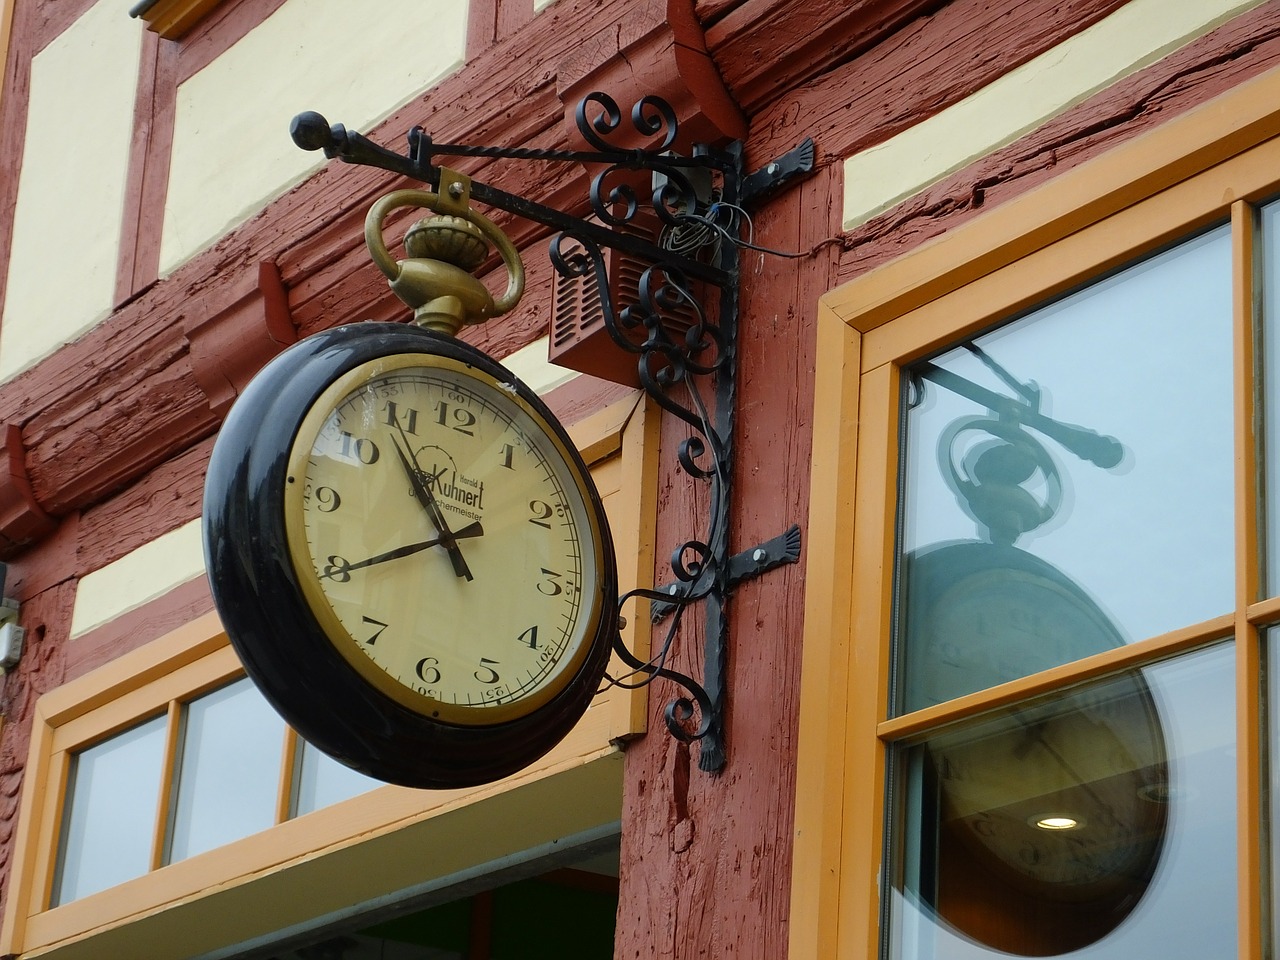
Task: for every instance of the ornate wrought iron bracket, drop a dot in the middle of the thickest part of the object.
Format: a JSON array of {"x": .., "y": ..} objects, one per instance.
[{"x": 700, "y": 201}]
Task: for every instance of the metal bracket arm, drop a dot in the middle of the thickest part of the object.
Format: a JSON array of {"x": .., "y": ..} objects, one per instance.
[
  {"x": 704, "y": 193},
  {"x": 747, "y": 565}
]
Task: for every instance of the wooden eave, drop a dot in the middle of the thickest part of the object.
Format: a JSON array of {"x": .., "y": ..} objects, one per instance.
[{"x": 173, "y": 19}]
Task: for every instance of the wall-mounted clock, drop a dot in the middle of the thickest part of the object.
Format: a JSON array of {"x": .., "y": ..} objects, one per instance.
[
  {"x": 410, "y": 556},
  {"x": 1056, "y": 812}
]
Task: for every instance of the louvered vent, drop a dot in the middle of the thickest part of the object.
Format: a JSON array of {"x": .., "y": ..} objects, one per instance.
[{"x": 578, "y": 338}]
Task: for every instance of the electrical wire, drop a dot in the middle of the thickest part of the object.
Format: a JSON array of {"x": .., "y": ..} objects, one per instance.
[{"x": 694, "y": 232}]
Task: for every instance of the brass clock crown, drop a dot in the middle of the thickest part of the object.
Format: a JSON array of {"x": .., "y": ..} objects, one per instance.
[
  {"x": 452, "y": 239},
  {"x": 435, "y": 280}
]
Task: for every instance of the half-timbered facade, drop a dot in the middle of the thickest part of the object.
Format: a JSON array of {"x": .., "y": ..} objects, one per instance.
[{"x": 1004, "y": 356}]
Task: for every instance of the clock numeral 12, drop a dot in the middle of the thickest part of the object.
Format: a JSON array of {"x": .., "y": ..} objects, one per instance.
[{"x": 464, "y": 420}]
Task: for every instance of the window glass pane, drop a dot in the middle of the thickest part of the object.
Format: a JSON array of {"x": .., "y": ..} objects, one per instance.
[
  {"x": 1067, "y": 479},
  {"x": 230, "y": 770},
  {"x": 110, "y": 816},
  {"x": 1271, "y": 377},
  {"x": 1137, "y": 774},
  {"x": 323, "y": 780}
]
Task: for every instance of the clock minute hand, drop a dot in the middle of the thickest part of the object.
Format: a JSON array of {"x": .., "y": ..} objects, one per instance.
[
  {"x": 422, "y": 492},
  {"x": 470, "y": 530}
]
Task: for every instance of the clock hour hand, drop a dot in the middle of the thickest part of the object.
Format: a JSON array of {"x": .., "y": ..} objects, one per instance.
[
  {"x": 422, "y": 493},
  {"x": 470, "y": 530}
]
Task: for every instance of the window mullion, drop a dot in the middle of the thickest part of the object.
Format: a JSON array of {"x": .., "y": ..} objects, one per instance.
[
  {"x": 1251, "y": 841},
  {"x": 168, "y": 777},
  {"x": 1246, "y": 291},
  {"x": 288, "y": 775},
  {"x": 1129, "y": 657}
]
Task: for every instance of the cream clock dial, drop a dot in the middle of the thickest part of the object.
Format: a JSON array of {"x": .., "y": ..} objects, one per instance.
[{"x": 441, "y": 539}]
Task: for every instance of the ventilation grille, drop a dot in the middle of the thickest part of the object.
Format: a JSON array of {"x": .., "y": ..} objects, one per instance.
[{"x": 578, "y": 338}]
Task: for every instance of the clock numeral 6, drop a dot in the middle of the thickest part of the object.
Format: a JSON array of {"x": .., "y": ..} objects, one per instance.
[{"x": 428, "y": 671}]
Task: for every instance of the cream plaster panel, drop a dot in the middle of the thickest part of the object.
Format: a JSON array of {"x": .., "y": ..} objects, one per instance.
[
  {"x": 531, "y": 365},
  {"x": 71, "y": 187},
  {"x": 150, "y": 571},
  {"x": 1133, "y": 37},
  {"x": 353, "y": 62}
]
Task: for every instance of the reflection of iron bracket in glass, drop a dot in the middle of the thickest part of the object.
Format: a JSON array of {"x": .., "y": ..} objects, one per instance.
[{"x": 989, "y": 478}]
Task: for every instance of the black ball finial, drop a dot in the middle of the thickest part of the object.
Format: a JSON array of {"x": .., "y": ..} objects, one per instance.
[{"x": 311, "y": 131}]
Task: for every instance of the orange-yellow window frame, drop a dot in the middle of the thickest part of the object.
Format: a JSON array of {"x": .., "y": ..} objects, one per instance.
[
  {"x": 345, "y": 854},
  {"x": 1210, "y": 165}
]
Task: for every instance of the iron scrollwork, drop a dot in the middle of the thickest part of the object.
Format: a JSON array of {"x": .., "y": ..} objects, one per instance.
[{"x": 679, "y": 343}]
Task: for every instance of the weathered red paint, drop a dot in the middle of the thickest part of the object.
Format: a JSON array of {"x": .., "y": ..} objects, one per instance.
[{"x": 113, "y": 432}]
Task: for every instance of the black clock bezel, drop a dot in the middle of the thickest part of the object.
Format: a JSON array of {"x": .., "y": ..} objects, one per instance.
[{"x": 280, "y": 642}]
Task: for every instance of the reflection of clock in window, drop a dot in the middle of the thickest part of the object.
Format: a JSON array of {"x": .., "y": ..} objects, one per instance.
[
  {"x": 410, "y": 556},
  {"x": 977, "y": 614},
  {"x": 1037, "y": 828},
  {"x": 1042, "y": 825},
  {"x": 1050, "y": 819}
]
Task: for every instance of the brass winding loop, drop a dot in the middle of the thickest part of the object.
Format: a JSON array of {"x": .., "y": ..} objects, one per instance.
[
  {"x": 988, "y": 480},
  {"x": 395, "y": 270}
]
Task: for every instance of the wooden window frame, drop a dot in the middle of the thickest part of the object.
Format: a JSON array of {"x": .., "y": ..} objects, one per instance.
[
  {"x": 1212, "y": 164},
  {"x": 331, "y": 859}
]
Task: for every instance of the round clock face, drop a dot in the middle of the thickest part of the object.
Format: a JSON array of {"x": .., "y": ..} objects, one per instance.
[
  {"x": 442, "y": 540},
  {"x": 1053, "y": 802},
  {"x": 409, "y": 556}
]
